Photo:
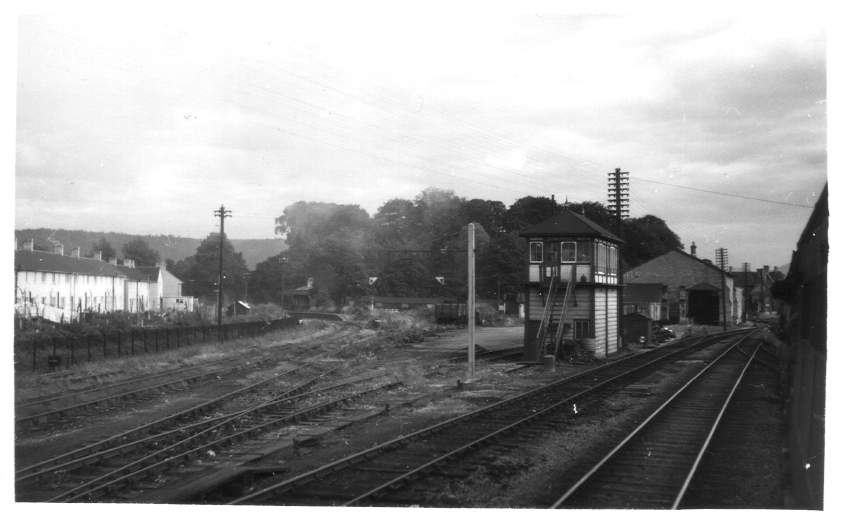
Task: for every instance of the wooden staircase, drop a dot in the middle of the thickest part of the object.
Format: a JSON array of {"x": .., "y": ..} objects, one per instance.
[{"x": 554, "y": 307}]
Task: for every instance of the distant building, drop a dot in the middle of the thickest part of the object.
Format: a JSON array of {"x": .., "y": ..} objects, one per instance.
[
  {"x": 646, "y": 299},
  {"x": 693, "y": 287},
  {"x": 60, "y": 287}
]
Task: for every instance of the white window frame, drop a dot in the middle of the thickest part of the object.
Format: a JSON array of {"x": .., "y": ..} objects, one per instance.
[
  {"x": 574, "y": 259},
  {"x": 531, "y": 247}
]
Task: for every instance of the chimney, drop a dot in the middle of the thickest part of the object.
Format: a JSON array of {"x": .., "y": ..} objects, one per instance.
[
  {"x": 75, "y": 252},
  {"x": 309, "y": 283},
  {"x": 129, "y": 262},
  {"x": 58, "y": 249},
  {"x": 29, "y": 244},
  {"x": 693, "y": 248},
  {"x": 98, "y": 255}
]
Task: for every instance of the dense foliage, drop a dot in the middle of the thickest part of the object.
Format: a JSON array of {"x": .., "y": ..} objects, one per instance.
[
  {"x": 140, "y": 251},
  {"x": 418, "y": 247},
  {"x": 199, "y": 272}
]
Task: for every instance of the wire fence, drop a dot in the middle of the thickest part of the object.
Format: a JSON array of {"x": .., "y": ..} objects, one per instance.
[{"x": 53, "y": 351}]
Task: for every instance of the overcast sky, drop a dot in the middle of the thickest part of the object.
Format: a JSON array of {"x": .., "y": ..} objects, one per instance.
[{"x": 148, "y": 125}]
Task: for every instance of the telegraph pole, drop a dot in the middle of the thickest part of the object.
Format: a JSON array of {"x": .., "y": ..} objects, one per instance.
[
  {"x": 221, "y": 213},
  {"x": 470, "y": 305},
  {"x": 617, "y": 203},
  {"x": 746, "y": 291},
  {"x": 722, "y": 263}
]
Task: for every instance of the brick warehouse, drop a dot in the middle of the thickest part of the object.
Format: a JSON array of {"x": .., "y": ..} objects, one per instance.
[{"x": 693, "y": 287}]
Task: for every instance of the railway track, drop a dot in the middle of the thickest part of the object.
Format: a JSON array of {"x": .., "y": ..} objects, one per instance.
[
  {"x": 112, "y": 474},
  {"x": 69, "y": 407},
  {"x": 378, "y": 475},
  {"x": 149, "y": 434},
  {"x": 653, "y": 466}
]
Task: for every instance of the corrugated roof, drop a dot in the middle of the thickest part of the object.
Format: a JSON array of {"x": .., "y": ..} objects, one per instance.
[{"x": 568, "y": 224}]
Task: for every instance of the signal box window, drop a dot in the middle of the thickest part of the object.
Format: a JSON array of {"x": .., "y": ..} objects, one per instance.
[
  {"x": 582, "y": 329},
  {"x": 567, "y": 252},
  {"x": 536, "y": 252},
  {"x": 585, "y": 252}
]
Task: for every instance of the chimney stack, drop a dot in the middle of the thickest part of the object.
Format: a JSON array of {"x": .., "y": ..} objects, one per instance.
[
  {"x": 129, "y": 262},
  {"x": 75, "y": 252},
  {"x": 309, "y": 283},
  {"x": 58, "y": 249},
  {"x": 693, "y": 248},
  {"x": 29, "y": 244}
]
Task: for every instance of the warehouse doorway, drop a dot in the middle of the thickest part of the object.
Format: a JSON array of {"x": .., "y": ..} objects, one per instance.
[{"x": 703, "y": 304}]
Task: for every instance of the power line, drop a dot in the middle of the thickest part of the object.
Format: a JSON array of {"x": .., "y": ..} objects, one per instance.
[{"x": 725, "y": 194}]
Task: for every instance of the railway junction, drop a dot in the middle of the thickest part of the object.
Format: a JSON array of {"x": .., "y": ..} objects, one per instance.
[{"x": 333, "y": 413}]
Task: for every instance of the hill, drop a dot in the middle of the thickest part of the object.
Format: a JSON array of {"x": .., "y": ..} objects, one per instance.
[{"x": 168, "y": 246}]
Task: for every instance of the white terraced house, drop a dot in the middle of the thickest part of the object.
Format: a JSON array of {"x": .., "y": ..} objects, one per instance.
[{"x": 59, "y": 288}]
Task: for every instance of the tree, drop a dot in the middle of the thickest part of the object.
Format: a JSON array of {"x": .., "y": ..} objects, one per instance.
[
  {"x": 106, "y": 250},
  {"x": 327, "y": 242},
  {"x": 200, "y": 271},
  {"x": 528, "y": 211},
  {"x": 139, "y": 251},
  {"x": 645, "y": 238}
]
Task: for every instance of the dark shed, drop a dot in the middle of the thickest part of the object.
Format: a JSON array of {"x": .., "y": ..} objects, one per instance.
[{"x": 634, "y": 325}]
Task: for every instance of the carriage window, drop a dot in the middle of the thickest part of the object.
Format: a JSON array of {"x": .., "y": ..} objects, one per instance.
[
  {"x": 536, "y": 252},
  {"x": 567, "y": 251}
]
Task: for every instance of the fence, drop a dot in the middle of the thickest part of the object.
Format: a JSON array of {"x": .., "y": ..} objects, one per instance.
[{"x": 55, "y": 352}]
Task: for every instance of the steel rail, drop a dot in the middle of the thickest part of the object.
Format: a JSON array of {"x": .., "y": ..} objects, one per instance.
[
  {"x": 545, "y": 411},
  {"x": 636, "y": 431},
  {"x": 366, "y": 454},
  {"x": 54, "y": 463},
  {"x": 691, "y": 474},
  {"x": 288, "y": 396},
  {"x": 118, "y": 475},
  {"x": 46, "y": 399}
]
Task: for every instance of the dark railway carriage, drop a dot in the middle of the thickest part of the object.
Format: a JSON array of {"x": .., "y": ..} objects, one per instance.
[
  {"x": 802, "y": 300},
  {"x": 571, "y": 286}
]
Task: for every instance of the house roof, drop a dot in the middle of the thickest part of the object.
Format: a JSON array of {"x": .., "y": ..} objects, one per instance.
[
  {"x": 686, "y": 255},
  {"x": 568, "y": 224},
  {"x": 42, "y": 261},
  {"x": 643, "y": 292}
]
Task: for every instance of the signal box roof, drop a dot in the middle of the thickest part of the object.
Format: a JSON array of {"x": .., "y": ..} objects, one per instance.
[{"x": 569, "y": 224}]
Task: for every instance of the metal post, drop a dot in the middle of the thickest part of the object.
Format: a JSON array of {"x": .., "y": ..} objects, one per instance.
[
  {"x": 470, "y": 304},
  {"x": 722, "y": 263}
]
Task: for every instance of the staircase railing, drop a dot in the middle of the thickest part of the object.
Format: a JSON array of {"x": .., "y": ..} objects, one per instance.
[{"x": 546, "y": 318}]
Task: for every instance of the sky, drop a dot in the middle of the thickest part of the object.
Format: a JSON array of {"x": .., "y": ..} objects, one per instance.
[{"x": 148, "y": 124}]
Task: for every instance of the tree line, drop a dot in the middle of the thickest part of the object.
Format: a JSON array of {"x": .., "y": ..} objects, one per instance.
[{"x": 414, "y": 248}]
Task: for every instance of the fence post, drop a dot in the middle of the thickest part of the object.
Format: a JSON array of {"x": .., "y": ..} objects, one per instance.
[
  {"x": 119, "y": 343},
  {"x": 34, "y": 353},
  {"x": 104, "y": 344},
  {"x": 73, "y": 357},
  {"x": 87, "y": 347},
  {"x": 156, "y": 340},
  {"x": 132, "y": 342}
]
